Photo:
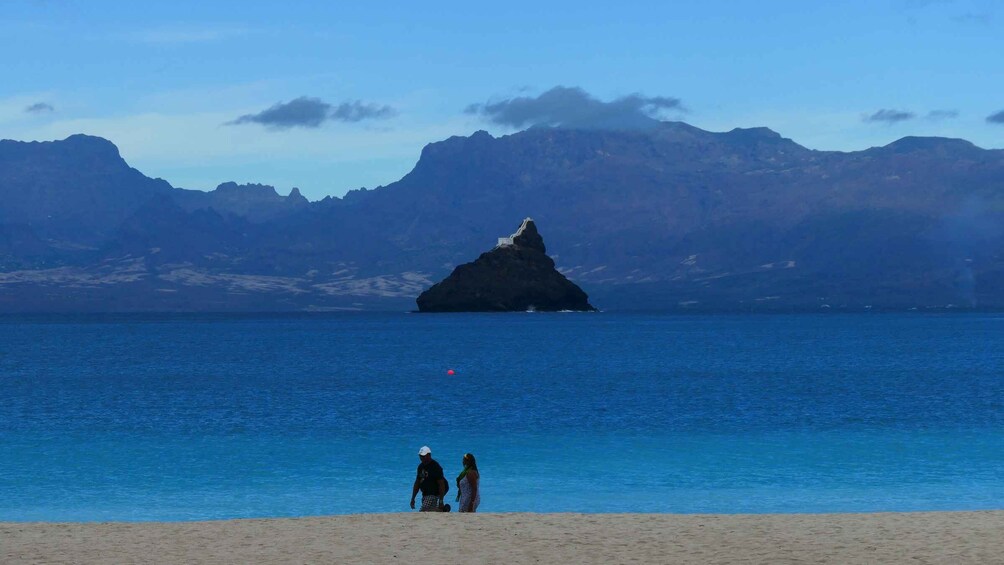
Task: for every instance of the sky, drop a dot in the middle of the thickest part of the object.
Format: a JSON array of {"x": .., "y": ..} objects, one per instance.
[{"x": 333, "y": 96}]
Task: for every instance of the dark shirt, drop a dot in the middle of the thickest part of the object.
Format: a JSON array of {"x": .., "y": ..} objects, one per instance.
[{"x": 429, "y": 473}]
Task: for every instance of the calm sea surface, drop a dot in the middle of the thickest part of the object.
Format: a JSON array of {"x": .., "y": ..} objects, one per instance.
[{"x": 196, "y": 417}]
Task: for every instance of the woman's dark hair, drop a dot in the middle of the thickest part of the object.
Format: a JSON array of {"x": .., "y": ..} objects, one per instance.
[{"x": 470, "y": 461}]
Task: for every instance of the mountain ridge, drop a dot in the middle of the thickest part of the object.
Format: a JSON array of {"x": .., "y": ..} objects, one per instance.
[{"x": 670, "y": 217}]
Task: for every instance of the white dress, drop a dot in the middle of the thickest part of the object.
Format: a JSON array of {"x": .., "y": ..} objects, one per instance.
[{"x": 465, "y": 494}]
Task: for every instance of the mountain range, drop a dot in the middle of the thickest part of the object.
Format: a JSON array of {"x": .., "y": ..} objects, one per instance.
[{"x": 669, "y": 217}]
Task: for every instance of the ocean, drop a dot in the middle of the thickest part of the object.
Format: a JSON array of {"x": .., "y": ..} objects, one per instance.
[{"x": 187, "y": 417}]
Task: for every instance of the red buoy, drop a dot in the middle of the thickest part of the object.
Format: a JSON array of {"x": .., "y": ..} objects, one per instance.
[{"x": 450, "y": 372}]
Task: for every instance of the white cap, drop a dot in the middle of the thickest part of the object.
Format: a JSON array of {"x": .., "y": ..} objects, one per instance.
[{"x": 425, "y": 450}]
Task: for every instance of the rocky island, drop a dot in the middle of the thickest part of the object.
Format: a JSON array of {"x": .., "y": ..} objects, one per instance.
[{"x": 516, "y": 276}]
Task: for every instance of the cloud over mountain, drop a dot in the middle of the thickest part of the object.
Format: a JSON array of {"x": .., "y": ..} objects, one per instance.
[
  {"x": 889, "y": 116},
  {"x": 997, "y": 118},
  {"x": 311, "y": 112},
  {"x": 574, "y": 107},
  {"x": 39, "y": 108}
]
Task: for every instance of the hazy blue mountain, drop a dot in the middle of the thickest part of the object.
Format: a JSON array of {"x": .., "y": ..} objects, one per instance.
[
  {"x": 255, "y": 202},
  {"x": 72, "y": 193},
  {"x": 670, "y": 217}
]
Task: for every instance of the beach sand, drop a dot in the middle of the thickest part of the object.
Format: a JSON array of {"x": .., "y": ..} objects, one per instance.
[{"x": 932, "y": 537}]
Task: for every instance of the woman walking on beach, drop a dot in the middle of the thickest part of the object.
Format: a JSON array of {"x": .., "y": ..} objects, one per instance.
[{"x": 468, "y": 485}]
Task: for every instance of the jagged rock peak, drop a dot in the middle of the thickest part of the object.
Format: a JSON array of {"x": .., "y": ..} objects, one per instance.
[
  {"x": 514, "y": 276},
  {"x": 296, "y": 197},
  {"x": 528, "y": 236}
]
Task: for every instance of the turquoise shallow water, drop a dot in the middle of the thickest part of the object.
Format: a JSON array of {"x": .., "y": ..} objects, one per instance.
[{"x": 197, "y": 417}]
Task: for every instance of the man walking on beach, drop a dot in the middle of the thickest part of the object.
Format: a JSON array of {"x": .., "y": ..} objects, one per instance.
[{"x": 431, "y": 481}]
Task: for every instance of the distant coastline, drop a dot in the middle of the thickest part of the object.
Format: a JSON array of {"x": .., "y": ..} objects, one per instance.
[{"x": 744, "y": 220}]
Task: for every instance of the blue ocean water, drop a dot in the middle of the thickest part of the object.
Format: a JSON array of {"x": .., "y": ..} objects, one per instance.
[{"x": 204, "y": 417}]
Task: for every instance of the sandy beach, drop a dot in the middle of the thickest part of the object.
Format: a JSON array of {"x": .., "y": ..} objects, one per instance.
[{"x": 933, "y": 537}]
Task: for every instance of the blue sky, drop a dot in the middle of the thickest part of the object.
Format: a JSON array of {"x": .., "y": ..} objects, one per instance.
[{"x": 167, "y": 81}]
